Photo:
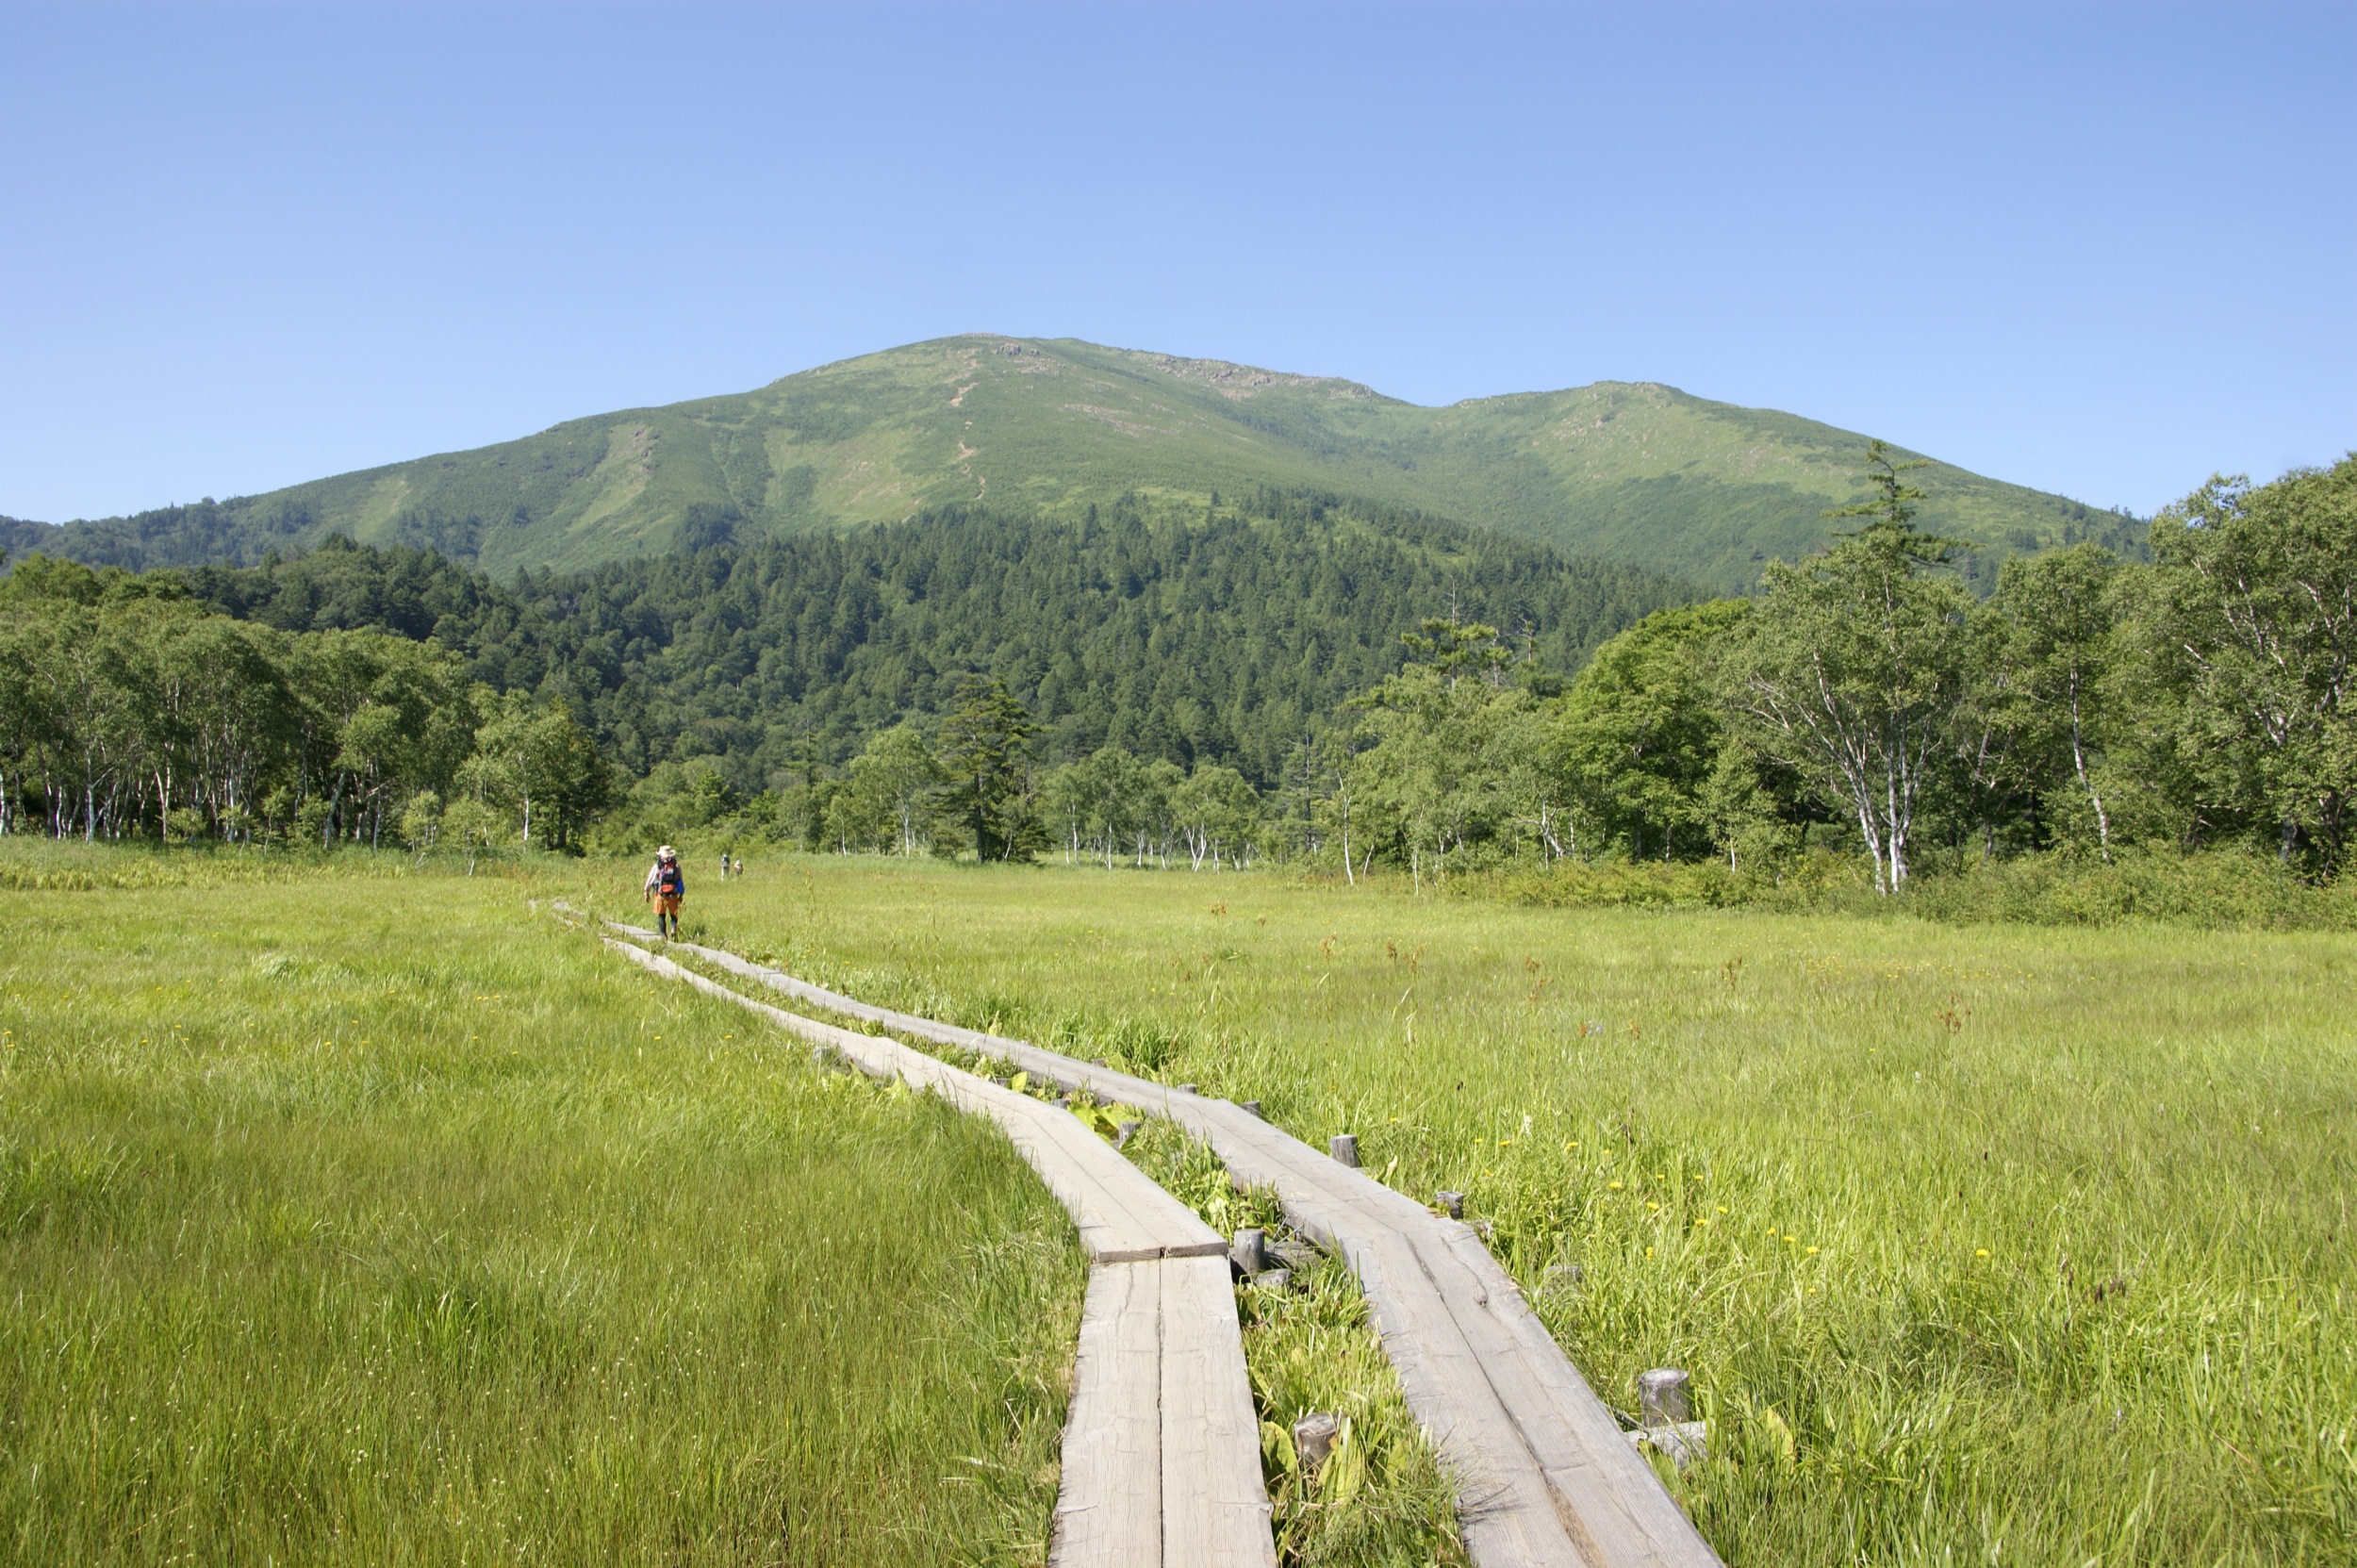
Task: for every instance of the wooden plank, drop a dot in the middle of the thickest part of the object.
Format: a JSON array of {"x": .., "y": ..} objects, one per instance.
[
  {"x": 1109, "y": 1506},
  {"x": 1505, "y": 1508},
  {"x": 1216, "y": 1512},
  {"x": 1575, "y": 1440},
  {"x": 1544, "y": 1474},
  {"x": 1162, "y": 1448}
]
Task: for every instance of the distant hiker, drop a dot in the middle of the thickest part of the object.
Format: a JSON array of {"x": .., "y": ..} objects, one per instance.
[
  {"x": 736, "y": 868},
  {"x": 667, "y": 886}
]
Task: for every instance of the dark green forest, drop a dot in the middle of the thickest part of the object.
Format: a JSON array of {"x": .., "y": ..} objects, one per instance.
[
  {"x": 1225, "y": 639},
  {"x": 1228, "y": 639}
]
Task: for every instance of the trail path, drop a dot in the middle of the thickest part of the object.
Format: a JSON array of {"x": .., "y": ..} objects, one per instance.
[
  {"x": 1161, "y": 1447},
  {"x": 1544, "y": 1474}
]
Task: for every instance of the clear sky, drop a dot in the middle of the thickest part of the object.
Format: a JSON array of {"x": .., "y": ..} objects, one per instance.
[{"x": 2100, "y": 250}]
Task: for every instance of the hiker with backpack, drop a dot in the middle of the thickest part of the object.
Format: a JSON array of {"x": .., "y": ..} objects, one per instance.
[{"x": 667, "y": 888}]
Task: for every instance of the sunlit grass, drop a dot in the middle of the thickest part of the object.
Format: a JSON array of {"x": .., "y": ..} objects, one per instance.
[
  {"x": 1980, "y": 1242},
  {"x": 377, "y": 1220}
]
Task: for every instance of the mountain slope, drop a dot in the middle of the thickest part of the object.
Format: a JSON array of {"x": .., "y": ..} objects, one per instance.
[
  {"x": 1633, "y": 473},
  {"x": 1224, "y": 637}
]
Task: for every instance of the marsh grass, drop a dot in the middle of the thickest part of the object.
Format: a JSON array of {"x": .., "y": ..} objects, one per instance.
[
  {"x": 2228, "y": 889},
  {"x": 370, "y": 1220},
  {"x": 1983, "y": 1242},
  {"x": 30, "y": 864}
]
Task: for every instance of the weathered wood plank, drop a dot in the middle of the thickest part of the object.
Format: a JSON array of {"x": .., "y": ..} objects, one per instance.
[
  {"x": 1162, "y": 1448},
  {"x": 1216, "y": 1512},
  {"x": 1109, "y": 1509}
]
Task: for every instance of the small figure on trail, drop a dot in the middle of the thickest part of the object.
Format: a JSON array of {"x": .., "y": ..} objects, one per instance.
[
  {"x": 737, "y": 867},
  {"x": 724, "y": 865},
  {"x": 667, "y": 886}
]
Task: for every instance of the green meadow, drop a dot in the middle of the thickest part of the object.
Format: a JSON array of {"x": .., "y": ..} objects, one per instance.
[
  {"x": 1983, "y": 1242},
  {"x": 372, "y": 1219},
  {"x": 355, "y": 1213}
]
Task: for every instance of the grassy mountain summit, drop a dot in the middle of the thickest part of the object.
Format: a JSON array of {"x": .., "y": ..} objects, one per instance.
[{"x": 1634, "y": 472}]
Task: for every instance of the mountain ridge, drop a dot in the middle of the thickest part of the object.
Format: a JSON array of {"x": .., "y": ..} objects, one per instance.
[{"x": 1635, "y": 472}]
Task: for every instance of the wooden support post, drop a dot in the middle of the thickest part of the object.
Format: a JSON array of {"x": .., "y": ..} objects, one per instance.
[
  {"x": 1314, "y": 1439},
  {"x": 1453, "y": 1204},
  {"x": 1663, "y": 1405},
  {"x": 1661, "y": 1396},
  {"x": 1343, "y": 1147}
]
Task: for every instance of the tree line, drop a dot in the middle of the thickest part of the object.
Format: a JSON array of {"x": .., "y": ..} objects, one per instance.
[
  {"x": 1220, "y": 637},
  {"x": 1865, "y": 696},
  {"x": 1215, "y": 638},
  {"x": 129, "y": 708},
  {"x": 748, "y": 676}
]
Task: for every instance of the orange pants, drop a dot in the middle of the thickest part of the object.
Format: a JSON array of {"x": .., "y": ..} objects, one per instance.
[{"x": 667, "y": 903}]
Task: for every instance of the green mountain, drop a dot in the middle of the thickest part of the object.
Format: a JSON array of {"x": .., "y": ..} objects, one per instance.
[{"x": 1631, "y": 472}]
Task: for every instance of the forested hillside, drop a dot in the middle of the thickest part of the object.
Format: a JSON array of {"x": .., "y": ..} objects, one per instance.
[
  {"x": 130, "y": 708},
  {"x": 1642, "y": 475},
  {"x": 1227, "y": 640}
]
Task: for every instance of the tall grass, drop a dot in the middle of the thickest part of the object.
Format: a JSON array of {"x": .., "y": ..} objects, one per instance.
[
  {"x": 372, "y": 1220},
  {"x": 2213, "y": 889},
  {"x": 1984, "y": 1242}
]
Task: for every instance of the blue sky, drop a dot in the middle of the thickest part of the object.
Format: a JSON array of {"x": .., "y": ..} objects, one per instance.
[{"x": 2101, "y": 250}]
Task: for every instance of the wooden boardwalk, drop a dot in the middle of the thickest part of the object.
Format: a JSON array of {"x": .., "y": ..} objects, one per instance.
[
  {"x": 1544, "y": 1474},
  {"x": 1161, "y": 1447}
]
